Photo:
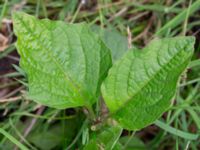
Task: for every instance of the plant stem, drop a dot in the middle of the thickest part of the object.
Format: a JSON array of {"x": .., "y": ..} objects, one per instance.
[{"x": 91, "y": 112}]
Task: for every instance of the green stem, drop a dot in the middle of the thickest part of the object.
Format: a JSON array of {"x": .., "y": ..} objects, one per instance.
[{"x": 91, "y": 112}]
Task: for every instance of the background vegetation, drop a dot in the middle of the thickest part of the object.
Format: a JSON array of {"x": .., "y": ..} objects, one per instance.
[{"x": 127, "y": 23}]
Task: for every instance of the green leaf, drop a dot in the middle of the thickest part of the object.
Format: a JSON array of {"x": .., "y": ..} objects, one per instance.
[
  {"x": 134, "y": 143},
  {"x": 117, "y": 43},
  {"x": 105, "y": 139},
  {"x": 140, "y": 86},
  {"x": 47, "y": 139},
  {"x": 65, "y": 63}
]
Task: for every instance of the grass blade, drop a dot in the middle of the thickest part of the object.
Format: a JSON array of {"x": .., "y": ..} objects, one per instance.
[
  {"x": 12, "y": 139},
  {"x": 175, "y": 131},
  {"x": 179, "y": 18}
]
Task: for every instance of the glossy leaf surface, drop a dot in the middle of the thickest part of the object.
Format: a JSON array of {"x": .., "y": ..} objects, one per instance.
[
  {"x": 141, "y": 85},
  {"x": 65, "y": 63}
]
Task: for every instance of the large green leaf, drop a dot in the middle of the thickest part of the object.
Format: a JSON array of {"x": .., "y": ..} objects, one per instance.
[
  {"x": 65, "y": 63},
  {"x": 140, "y": 86},
  {"x": 117, "y": 43}
]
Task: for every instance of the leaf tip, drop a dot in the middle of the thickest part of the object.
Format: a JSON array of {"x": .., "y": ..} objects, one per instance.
[
  {"x": 20, "y": 19},
  {"x": 189, "y": 42},
  {"x": 18, "y": 14}
]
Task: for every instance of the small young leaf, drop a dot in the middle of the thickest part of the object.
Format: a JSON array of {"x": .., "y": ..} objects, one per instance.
[
  {"x": 140, "y": 86},
  {"x": 65, "y": 63},
  {"x": 132, "y": 143},
  {"x": 105, "y": 139}
]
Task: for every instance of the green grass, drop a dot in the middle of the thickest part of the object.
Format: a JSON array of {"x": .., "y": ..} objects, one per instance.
[{"x": 26, "y": 125}]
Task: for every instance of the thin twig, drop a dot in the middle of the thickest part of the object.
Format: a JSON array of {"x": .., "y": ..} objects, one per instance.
[
  {"x": 13, "y": 92},
  {"x": 138, "y": 16},
  {"x": 142, "y": 34},
  {"x": 12, "y": 99},
  {"x": 129, "y": 38},
  {"x": 118, "y": 14},
  {"x": 13, "y": 58},
  {"x": 33, "y": 121}
]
